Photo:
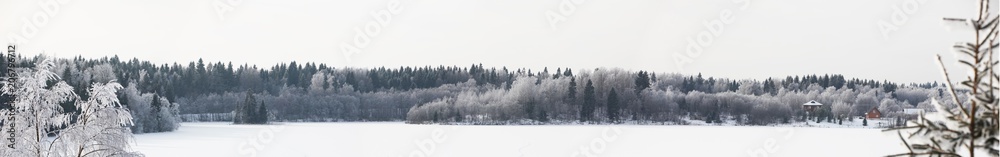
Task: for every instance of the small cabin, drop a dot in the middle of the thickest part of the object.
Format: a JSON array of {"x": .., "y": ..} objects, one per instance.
[
  {"x": 812, "y": 105},
  {"x": 873, "y": 114}
]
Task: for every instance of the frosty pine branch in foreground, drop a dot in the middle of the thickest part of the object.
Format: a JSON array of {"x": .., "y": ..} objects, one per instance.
[
  {"x": 98, "y": 130},
  {"x": 972, "y": 125}
]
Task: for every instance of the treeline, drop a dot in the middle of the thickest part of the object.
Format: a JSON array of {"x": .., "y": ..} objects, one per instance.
[
  {"x": 477, "y": 94},
  {"x": 296, "y": 92},
  {"x": 615, "y": 96}
]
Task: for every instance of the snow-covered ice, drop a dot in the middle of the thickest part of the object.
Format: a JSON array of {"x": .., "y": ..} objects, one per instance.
[{"x": 395, "y": 139}]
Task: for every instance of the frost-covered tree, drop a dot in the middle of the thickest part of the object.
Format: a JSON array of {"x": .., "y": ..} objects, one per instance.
[
  {"x": 841, "y": 111},
  {"x": 35, "y": 109},
  {"x": 318, "y": 82},
  {"x": 890, "y": 106},
  {"x": 864, "y": 103},
  {"x": 100, "y": 73},
  {"x": 150, "y": 112},
  {"x": 98, "y": 130},
  {"x": 168, "y": 119},
  {"x": 138, "y": 104}
]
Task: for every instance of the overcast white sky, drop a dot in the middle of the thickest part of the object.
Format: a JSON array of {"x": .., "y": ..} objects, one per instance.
[{"x": 767, "y": 38}]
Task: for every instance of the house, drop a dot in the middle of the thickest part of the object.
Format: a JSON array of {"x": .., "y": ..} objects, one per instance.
[
  {"x": 811, "y": 106},
  {"x": 873, "y": 114}
]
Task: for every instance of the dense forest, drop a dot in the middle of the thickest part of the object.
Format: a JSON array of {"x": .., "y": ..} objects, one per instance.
[{"x": 477, "y": 94}]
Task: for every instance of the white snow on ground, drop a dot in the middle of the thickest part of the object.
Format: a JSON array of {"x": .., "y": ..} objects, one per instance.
[{"x": 395, "y": 139}]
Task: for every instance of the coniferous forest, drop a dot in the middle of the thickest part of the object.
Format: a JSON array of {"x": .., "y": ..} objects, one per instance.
[{"x": 473, "y": 94}]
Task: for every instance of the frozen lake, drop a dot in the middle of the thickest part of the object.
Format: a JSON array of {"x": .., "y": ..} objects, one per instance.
[{"x": 395, "y": 139}]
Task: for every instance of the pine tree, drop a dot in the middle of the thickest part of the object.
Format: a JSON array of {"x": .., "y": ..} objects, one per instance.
[
  {"x": 685, "y": 85},
  {"x": 292, "y": 74},
  {"x": 641, "y": 81},
  {"x": 351, "y": 80},
  {"x": 247, "y": 112},
  {"x": 252, "y": 112},
  {"x": 558, "y": 73},
  {"x": 238, "y": 113},
  {"x": 154, "y": 112},
  {"x": 571, "y": 93},
  {"x": 613, "y": 106},
  {"x": 588, "y": 102},
  {"x": 972, "y": 127},
  {"x": 262, "y": 114}
]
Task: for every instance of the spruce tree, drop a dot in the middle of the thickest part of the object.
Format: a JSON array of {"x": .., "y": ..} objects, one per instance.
[
  {"x": 588, "y": 102},
  {"x": 246, "y": 112},
  {"x": 572, "y": 89},
  {"x": 292, "y": 74},
  {"x": 155, "y": 114},
  {"x": 641, "y": 81},
  {"x": 613, "y": 106},
  {"x": 262, "y": 115},
  {"x": 251, "y": 111}
]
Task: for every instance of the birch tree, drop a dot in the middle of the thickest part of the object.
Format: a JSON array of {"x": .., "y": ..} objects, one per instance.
[{"x": 98, "y": 130}]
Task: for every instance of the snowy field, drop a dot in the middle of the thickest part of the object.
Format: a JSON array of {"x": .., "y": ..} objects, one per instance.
[{"x": 395, "y": 139}]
